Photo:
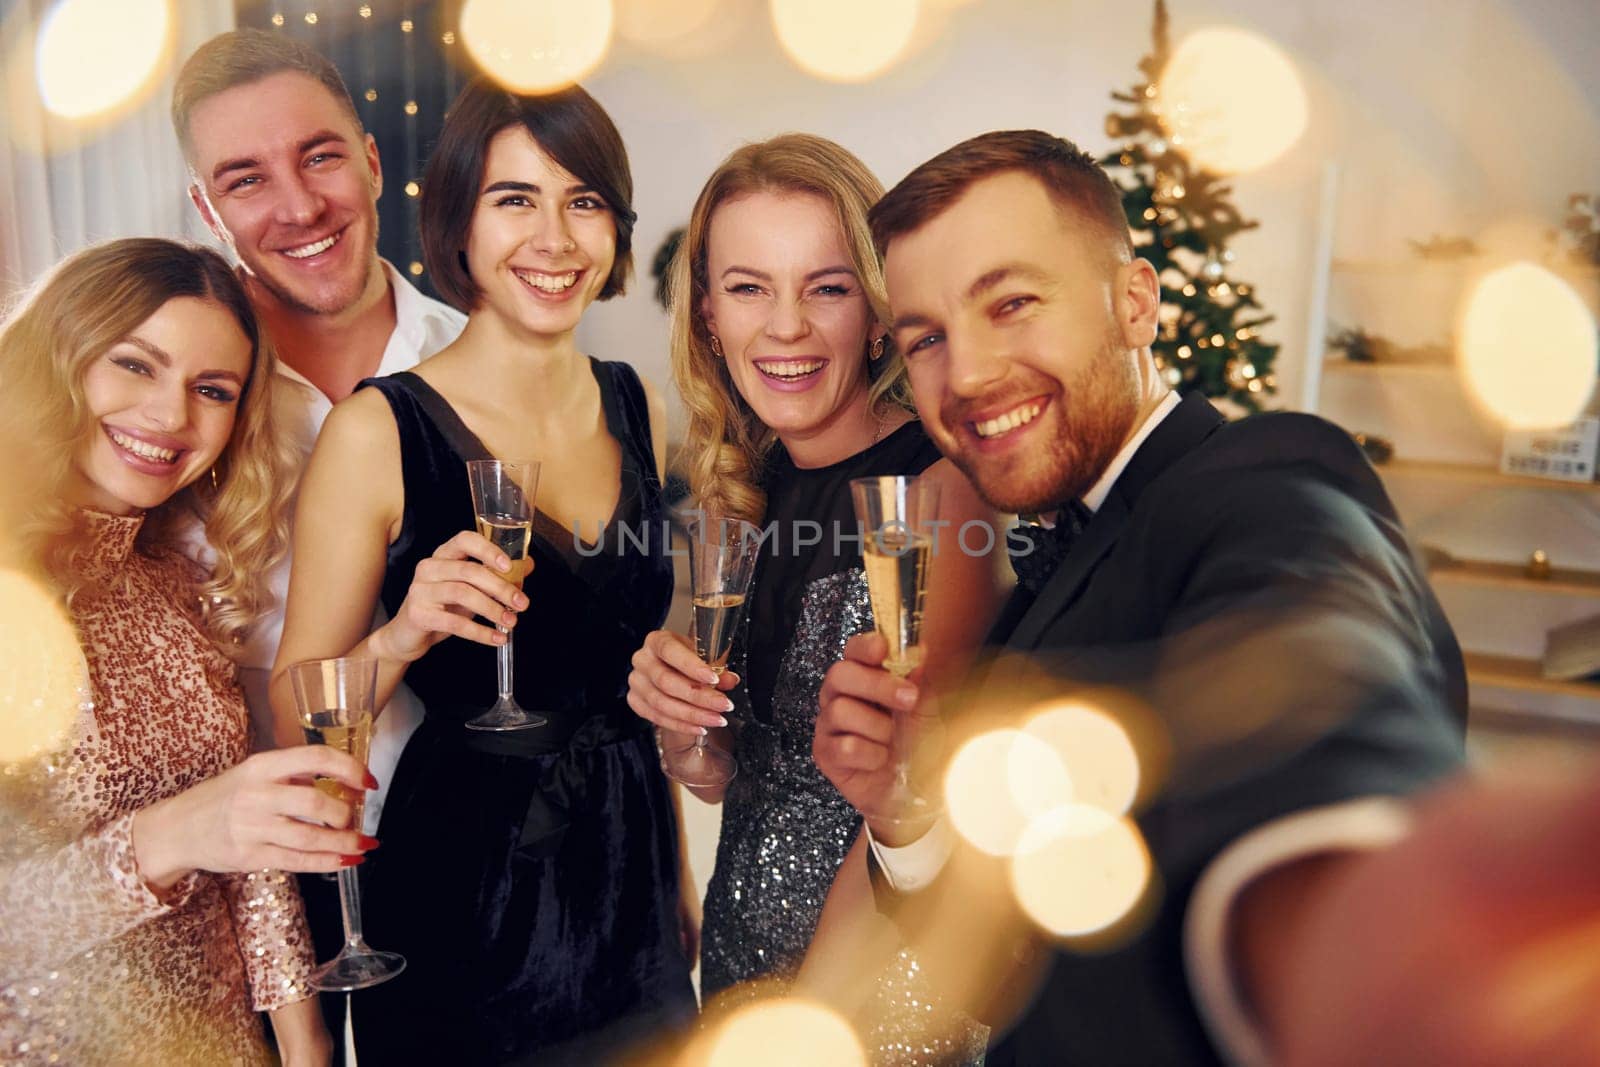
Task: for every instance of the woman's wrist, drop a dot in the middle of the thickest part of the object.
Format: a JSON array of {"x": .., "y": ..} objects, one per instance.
[
  {"x": 382, "y": 645},
  {"x": 302, "y": 1038},
  {"x": 157, "y": 847}
]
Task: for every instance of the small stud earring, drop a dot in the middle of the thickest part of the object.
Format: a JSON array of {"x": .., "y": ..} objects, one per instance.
[
  {"x": 716, "y": 346},
  {"x": 878, "y": 348}
]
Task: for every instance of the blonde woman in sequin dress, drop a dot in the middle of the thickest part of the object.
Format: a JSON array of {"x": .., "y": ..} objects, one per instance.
[
  {"x": 138, "y": 920},
  {"x": 779, "y": 350}
]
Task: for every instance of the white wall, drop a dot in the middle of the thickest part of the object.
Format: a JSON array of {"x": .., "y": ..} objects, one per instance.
[{"x": 1445, "y": 116}]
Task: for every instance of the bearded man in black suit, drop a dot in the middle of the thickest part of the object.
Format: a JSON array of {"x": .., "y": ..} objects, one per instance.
[{"x": 1248, "y": 582}]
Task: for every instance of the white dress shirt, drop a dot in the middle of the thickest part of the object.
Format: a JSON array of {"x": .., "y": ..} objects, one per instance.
[
  {"x": 1352, "y": 825},
  {"x": 422, "y": 327}
]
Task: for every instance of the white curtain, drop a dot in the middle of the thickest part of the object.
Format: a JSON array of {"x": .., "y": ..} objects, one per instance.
[{"x": 64, "y": 187}]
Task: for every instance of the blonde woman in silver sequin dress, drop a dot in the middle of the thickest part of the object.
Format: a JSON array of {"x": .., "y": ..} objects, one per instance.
[
  {"x": 138, "y": 921},
  {"x": 780, "y": 352}
]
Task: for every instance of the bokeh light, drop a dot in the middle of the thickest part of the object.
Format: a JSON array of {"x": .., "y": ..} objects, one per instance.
[
  {"x": 1095, "y": 750},
  {"x": 41, "y": 669},
  {"x": 534, "y": 46},
  {"x": 789, "y": 1032},
  {"x": 1527, "y": 347},
  {"x": 653, "y": 24},
  {"x": 844, "y": 40},
  {"x": 1232, "y": 100},
  {"x": 997, "y": 782},
  {"x": 1078, "y": 870},
  {"x": 94, "y": 57}
]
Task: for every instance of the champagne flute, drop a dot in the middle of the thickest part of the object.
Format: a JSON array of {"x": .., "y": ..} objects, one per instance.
[
  {"x": 335, "y": 699},
  {"x": 502, "y": 501},
  {"x": 897, "y": 513},
  {"x": 722, "y": 559}
]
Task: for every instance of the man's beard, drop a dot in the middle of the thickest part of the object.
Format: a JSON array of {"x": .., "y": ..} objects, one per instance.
[{"x": 1094, "y": 414}]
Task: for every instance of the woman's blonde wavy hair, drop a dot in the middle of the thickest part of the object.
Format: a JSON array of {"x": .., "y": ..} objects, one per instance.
[
  {"x": 726, "y": 445},
  {"x": 73, "y": 316}
]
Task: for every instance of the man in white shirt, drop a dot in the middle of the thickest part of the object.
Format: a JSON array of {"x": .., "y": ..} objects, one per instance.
[
  {"x": 286, "y": 177},
  {"x": 1248, "y": 583},
  {"x": 288, "y": 180}
]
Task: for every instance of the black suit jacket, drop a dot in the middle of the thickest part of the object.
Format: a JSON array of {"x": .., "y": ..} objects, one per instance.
[{"x": 1250, "y": 583}]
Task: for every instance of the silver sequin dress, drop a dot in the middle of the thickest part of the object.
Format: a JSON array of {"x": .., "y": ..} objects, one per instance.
[{"x": 785, "y": 828}]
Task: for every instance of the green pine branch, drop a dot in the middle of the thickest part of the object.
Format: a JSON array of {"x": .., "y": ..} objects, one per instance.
[{"x": 1182, "y": 218}]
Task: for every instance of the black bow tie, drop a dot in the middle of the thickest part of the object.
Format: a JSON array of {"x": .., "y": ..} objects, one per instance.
[{"x": 1037, "y": 551}]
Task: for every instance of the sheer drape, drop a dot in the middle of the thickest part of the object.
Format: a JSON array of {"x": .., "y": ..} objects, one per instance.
[{"x": 63, "y": 187}]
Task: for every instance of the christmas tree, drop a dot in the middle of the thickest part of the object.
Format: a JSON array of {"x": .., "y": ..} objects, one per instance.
[{"x": 1182, "y": 220}]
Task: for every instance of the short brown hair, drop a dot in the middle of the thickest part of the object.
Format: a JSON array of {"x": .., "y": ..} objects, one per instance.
[
  {"x": 240, "y": 57},
  {"x": 569, "y": 126},
  {"x": 1074, "y": 180}
]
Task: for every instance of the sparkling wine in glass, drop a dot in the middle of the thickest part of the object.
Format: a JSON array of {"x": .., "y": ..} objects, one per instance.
[
  {"x": 722, "y": 559},
  {"x": 897, "y": 515},
  {"x": 502, "y": 500},
  {"x": 335, "y": 700}
]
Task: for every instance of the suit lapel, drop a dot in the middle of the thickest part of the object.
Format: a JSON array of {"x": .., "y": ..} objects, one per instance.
[{"x": 1179, "y": 433}]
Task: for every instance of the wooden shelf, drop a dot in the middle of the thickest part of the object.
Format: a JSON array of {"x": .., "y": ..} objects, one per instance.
[
  {"x": 1481, "y": 475},
  {"x": 1567, "y": 581},
  {"x": 1458, "y": 266},
  {"x": 1341, "y": 365},
  {"x": 1505, "y": 672},
  {"x": 1525, "y": 722}
]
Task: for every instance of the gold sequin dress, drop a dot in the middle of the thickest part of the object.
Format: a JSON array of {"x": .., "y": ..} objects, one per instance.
[{"x": 95, "y": 968}]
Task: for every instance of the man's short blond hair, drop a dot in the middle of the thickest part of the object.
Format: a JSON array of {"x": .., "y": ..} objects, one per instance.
[{"x": 240, "y": 57}]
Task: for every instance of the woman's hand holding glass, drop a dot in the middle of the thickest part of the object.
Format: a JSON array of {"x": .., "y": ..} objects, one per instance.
[
  {"x": 261, "y": 813},
  {"x": 466, "y": 578},
  {"x": 675, "y": 689}
]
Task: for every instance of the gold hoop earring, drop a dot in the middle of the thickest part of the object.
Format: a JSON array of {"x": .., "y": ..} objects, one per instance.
[
  {"x": 878, "y": 348},
  {"x": 214, "y": 487},
  {"x": 716, "y": 347}
]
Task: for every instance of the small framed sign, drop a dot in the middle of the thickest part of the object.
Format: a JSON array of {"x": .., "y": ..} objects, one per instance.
[{"x": 1566, "y": 454}]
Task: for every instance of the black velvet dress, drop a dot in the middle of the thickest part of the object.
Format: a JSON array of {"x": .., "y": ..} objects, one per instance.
[{"x": 529, "y": 878}]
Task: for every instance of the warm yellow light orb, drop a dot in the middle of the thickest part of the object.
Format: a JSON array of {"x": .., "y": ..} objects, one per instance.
[
  {"x": 652, "y": 23},
  {"x": 997, "y": 782},
  {"x": 1527, "y": 347},
  {"x": 42, "y": 672},
  {"x": 791, "y": 1032},
  {"x": 94, "y": 56},
  {"x": 1232, "y": 100},
  {"x": 1094, "y": 749},
  {"x": 536, "y": 46},
  {"x": 1079, "y": 869},
  {"x": 844, "y": 40}
]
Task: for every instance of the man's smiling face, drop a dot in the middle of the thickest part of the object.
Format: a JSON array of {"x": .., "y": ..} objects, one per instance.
[
  {"x": 286, "y": 178},
  {"x": 1007, "y": 312}
]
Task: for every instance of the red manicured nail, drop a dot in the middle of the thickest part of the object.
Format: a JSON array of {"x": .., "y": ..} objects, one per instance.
[
  {"x": 351, "y": 861},
  {"x": 368, "y": 843},
  {"x": 372, "y": 783}
]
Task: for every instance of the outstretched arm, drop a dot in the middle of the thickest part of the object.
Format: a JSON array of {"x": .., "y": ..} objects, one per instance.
[{"x": 348, "y": 513}]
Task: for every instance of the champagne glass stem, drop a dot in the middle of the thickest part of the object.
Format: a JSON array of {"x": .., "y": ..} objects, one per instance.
[
  {"x": 350, "y": 905},
  {"x": 902, "y": 758},
  {"x": 704, "y": 737},
  {"x": 503, "y": 661}
]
